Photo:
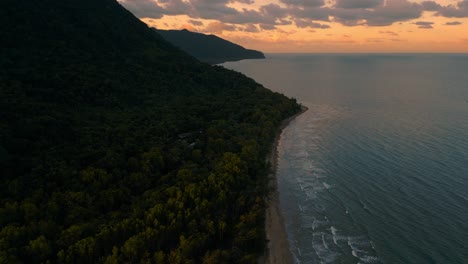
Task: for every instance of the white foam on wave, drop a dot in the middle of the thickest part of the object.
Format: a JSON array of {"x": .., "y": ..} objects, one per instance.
[
  {"x": 369, "y": 259},
  {"x": 324, "y": 242},
  {"x": 361, "y": 248},
  {"x": 326, "y": 185},
  {"x": 334, "y": 234},
  {"x": 316, "y": 224},
  {"x": 324, "y": 253},
  {"x": 354, "y": 245}
]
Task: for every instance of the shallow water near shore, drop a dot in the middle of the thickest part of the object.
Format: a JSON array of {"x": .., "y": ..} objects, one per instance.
[{"x": 377, "y": 170}]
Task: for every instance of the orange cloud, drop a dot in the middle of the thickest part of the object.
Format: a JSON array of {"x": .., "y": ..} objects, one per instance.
[
  {"x": 218, "y": 27},
  {"x": 318, "y": 25}
]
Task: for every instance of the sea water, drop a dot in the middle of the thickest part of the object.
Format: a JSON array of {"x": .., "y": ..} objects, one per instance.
[{"x": 377, "y": 170}]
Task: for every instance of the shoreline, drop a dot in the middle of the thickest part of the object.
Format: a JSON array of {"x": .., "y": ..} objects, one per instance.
[{"x": 277, "y": 246}]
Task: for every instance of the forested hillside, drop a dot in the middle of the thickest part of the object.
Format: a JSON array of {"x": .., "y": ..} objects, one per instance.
[
  {"x": 116, "y": 147},
  {"x": 208, "y": 48}
]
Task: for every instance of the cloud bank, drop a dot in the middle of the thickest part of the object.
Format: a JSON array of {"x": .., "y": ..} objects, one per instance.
[{"x": 315, "y": 14}]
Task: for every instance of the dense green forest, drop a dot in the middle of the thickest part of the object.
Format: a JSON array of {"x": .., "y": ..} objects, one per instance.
[
  {"x": 208, "y": 48},
  {"x": 116, "y": 147}
]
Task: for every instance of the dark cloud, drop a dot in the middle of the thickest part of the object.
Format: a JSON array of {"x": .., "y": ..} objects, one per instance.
[
  {"x": 454, "y": 23},
  {"x": 349, "y": 17},
  {"x": 385, "y": 15},
  {"x": 267, "y": 27},
  {"x": 196, "y": 22},
  {"x": 389, "y": 33},
  {"x": 381, "y": 40},
  {"x": 394, "y": 11},
  {"x": 244, "y": 1},
  {"x": 178, "y": 7},
  {"x": 358, "y": 3},
  {"x": 430, "y": 6},
  {"x": 318, "y": 25},
  {"x": 144, "y": 8},
  {"x": 397, "y": 40},
  {"x": 212, "y": 9},
  {"x": 304, "y": 3},
  {"x": 304, "y": 23},
  {"x": 424, "y": 24},
  {"x": 375, "y": 40},
  {"x": 251, "y": 28},
  {"x": 460, "y": 10},
  {"x": 274, "y": 10},
  {"x": 312, "y": 13},
  {"x": 303, "y": 13},
  {"x": 250, "y": 17},
  {"x": 283, "y": 22}
]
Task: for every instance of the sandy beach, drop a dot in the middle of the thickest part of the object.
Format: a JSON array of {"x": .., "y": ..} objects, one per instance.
[{"x": 278, "y": 247}]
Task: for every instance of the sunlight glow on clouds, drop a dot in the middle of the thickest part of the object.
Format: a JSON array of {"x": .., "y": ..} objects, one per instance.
[{"x": 318, "y": 25}]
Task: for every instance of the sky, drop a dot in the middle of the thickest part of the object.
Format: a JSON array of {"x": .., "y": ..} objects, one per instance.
[{"x": 318, "y": 26}]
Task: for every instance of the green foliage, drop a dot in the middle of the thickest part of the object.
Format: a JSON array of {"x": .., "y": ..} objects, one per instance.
[{"x": 115, "y": 147}]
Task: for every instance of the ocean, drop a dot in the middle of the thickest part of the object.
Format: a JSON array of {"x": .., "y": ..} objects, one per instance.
[{"x": 377, "y": 170}]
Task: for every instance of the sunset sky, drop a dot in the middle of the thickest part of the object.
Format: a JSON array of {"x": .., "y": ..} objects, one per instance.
[{"x": 318, "y": 25}]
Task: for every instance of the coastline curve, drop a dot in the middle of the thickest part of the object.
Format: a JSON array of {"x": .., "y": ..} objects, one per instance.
[{"x": 277, "y": 246}]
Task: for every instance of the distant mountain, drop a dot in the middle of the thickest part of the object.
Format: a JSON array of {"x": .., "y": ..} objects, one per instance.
[{"x": 208, "y": 48}]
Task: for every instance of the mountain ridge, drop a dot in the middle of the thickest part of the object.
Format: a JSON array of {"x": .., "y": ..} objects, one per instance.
[{"x": 208, "y": 48}]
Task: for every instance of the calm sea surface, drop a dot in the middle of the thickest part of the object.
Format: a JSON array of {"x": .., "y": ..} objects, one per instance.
[{"x": 377, "y": 170}]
